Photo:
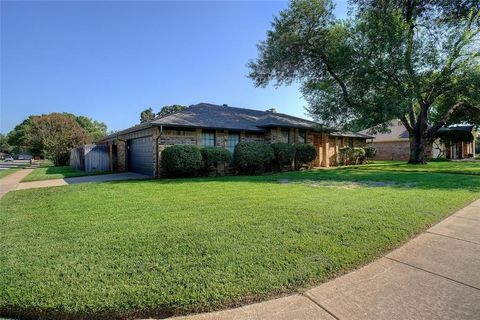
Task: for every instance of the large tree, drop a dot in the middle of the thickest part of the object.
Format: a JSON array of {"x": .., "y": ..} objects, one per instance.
[
  {"x": 24, "y": 138},
  {"x": 56, "y": 134},
  {"x": 413, "y": 60},
  {"x": 4, "y": 146}
]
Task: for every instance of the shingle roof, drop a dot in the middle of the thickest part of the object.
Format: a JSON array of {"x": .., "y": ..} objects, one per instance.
[
  {"x": 205, "y": 115},
  {"x": 456, "y": 128},
  {"x": 212, "y": 116},
  {"x": 349, "y": 134}
]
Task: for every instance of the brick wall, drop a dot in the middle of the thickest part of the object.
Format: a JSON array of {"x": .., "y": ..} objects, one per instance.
[{"x": 395, "y": 150}]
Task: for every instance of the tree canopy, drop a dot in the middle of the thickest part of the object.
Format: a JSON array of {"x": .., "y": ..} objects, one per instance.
[
  {"x": 148, "y": 114},
  {"x": 36, "y": 134},
  {"x": 413, "y": 60},
  {"x": 56, "y": 134}
]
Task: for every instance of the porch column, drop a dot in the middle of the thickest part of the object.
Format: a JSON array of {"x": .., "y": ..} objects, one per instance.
[
  {"x": 295, "y": 135},
  {"x": 337, "y": 147},
  {"x": 198, "y": 136},
  {"x": 326, "y": 151}
]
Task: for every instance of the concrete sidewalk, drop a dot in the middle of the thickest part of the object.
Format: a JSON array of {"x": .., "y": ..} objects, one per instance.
[
  {"x": 85, "y": 179},
  {"x": 434, "y": 276},
  {"x": 11, "y": 181}
]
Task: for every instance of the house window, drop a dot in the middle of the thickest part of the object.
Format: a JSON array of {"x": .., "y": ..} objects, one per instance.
[
  {"x": 285, "y": 137},
  {"x": 232, "y": 140},
  {"x": 208, "y": 139},
  {"x": 302, "y": 136},
  {"x": 350, "y": 142}
]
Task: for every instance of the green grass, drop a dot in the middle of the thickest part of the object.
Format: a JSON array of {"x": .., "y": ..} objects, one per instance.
[
  {"x": 6, "y": 172},
  {"x": 50, "y": 172},
  {"x": 461, "y": 167},
  {"x": 161, "y": 247}
]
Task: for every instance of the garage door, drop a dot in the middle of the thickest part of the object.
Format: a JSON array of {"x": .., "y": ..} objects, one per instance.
[{"x": 140, "y": 155}]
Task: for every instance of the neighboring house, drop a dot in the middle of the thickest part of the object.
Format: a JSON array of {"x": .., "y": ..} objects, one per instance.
[
  {"x": 139, "y": 148},
  {"x": 454, "y": 142}
]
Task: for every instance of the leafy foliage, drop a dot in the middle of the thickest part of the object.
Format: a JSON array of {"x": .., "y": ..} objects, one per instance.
[
  {"x": 417, "y": 61},
  {"x": 56, "y": 134},
  {"x": 304, "y": 154},
  {"x": 345, "y": 155},
  {"x": 95, "y": 129},
  {"x": 181, "y": 160},
  {"x": 283, "y": 152},
  {"x": 4, "y": 146},
  {"x": 168, "y": 110},
  {"x": 370, "y": 152},
  {"x": 22, "y": 137},
  {"x": 213, "y": 156},
  {"x": 252, "y": 156},
  {"x": 358, "y": 155},
  {"x": 147, "y": 115}
]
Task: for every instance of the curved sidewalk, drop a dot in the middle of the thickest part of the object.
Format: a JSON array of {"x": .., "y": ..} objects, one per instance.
[
  {"x": 11, "y": 181},
  {"x": 434, "y": 276}
]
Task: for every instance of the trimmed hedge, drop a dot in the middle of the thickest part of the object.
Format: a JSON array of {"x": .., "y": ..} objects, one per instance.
[
  {"x": 304, "y": 153},
  {"x": 283, "y": 153},
  {"x": 181, "y": 160},
  {"x": 252, "y": 157},
  {"x": 213, "y": 156},
  {"x": 370, "y": 152}
]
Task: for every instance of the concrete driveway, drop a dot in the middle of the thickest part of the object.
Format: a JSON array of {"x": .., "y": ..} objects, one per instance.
[
  {"x": 434, "y": 276},
  {"x": 86, "y": 179}
]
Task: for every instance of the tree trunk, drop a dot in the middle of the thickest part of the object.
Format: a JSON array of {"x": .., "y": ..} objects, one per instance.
[
  {"x": 419, "y": 138},
  {"x": 418, "y": 145}
]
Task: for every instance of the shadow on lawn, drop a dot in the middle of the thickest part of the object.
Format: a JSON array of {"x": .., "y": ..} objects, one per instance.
[
  {"x": 31, "y": 313},
  {"x": 367, "y": 178}
]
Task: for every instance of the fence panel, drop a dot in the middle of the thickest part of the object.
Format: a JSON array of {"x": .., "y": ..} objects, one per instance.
[
  {"x": 76, "y": 158},
  {"x": 96, "y": 157},
  {"x": 90, "y": 157}
]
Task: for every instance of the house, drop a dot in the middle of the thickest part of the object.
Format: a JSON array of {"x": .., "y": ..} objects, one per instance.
[
  {"x": 139, "y": 148},
  {"x": 453, "y": 142}
]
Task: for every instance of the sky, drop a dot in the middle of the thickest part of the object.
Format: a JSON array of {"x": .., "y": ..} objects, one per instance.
[{"x": 109, "y": 60}]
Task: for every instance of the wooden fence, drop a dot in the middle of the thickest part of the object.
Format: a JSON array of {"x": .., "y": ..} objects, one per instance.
[{"x": 90, "y": 157}]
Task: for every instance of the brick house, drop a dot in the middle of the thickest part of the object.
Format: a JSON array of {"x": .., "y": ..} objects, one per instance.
[
  {"x": 139, "y": 148},
  {"x": 395, "y": 144}
]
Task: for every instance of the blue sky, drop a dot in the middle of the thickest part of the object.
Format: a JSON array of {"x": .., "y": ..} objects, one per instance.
[{"x": 111, "y": 60}]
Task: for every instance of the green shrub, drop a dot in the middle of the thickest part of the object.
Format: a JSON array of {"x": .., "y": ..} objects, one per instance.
[
  {"x": 283, "y": 154},
  {"x": 181, "y": 160},
  {"x": 252, "y": 157},
  {"x": 304, "y": 153},
  {"x": 213, "y": 156},
  {"x": 358, "y": 155},
  {"x": 345, "y": 154},
  {"x": 370, "y": 152}
]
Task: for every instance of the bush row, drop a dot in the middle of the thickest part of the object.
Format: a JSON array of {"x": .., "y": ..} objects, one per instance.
[
  {"x": 357, "y": 155},
  {"x": 248, "y": 158}
]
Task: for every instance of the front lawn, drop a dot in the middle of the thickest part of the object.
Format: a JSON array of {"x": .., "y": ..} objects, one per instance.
[
  {"x": 461, "y": 167},
  {"x": 162, "y": 247},
  {"x": 50, "y": 172}
]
